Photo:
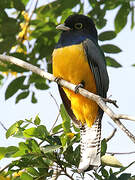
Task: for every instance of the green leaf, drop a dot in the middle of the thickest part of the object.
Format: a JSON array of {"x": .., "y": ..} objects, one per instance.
[
  {"x": 121, "y": 17},
  {"x": 29, "y": 133},
  {"x": 13, "y": 129},
  {"x": 57, "y": 128},
  {"x": 110, "y": 48},
  {"x": 3, "y": 151},
  {"x": 103, "y": 147},
  {"x": 33, "y": 99},
  {"x": 132, "y": 17},
  {"x": 34, "y": 145},
  {"x": 42, "y": 132},
  {"x": 65, "y": 118},
  {"x": 48, "y": 149},
  {"x": 32, "y": 171},
  {"x": 10, "y": 151},
  {"x": 124, "y": 176},
  {"x": 104, "y": 172},
  {"x": 21, "y": 96},
  {"x": 34, "y": 78},
  {"x": 14, "y": 86},
  {"x": 112, "y": 62},
  {"x": 37, "y": 120},
  {"x": 107, "y": 35},
  {"x": 41, "y": 86},
  {"x": 25, "y": 176}
]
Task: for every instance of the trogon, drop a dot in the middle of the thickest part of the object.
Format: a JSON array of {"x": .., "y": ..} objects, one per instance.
[{"x": 77, "y": 58}]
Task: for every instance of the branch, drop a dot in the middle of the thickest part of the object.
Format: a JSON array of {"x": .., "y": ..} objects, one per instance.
[
  {"x": 99, "y": 100},
  {"x": 112, "y": 134},
  {"x": 120, "y": 153}
]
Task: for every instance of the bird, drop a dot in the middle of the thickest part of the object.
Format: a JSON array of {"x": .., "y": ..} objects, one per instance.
[{"x": 78, "y": 58}]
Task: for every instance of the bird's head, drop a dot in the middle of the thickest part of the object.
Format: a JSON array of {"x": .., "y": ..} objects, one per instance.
[{"x": 79, "y": 23}]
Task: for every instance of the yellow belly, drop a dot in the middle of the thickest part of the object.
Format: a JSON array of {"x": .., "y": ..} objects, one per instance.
[{"x": 70, "y": 63}]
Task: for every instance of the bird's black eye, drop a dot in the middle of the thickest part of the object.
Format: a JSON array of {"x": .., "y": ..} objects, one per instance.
[{"x": 78, "y": 26}]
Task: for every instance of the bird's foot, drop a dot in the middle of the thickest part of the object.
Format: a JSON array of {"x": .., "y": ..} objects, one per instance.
[
  {"x": 57, "y": 79},
  {"x": 81, "y": 85}
]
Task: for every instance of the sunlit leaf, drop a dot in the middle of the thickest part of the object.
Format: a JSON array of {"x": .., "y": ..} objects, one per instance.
[
  {"x": 48, "y": 149},
  {"x": 37, "y": 120},
  {"x": 66, "y": 119},
  {"x": 13, "y": 129},
  {"x": 25, "y": 176}
]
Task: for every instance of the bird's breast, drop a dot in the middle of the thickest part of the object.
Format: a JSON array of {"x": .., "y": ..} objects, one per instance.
[{"x": 70, "y": 63}]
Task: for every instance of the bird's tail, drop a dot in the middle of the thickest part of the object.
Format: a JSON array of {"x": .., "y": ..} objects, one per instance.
[{"x": 90, "y": 146}]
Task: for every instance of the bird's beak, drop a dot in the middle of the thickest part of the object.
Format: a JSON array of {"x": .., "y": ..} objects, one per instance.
[{"x": 62, "y": 27}]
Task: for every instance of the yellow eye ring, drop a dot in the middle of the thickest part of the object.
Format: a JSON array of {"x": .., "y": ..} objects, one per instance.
[{"x": 78, "y": 26}]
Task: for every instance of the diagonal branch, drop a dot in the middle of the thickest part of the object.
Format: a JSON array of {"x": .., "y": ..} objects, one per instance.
[{"x": 99, "y": 100}]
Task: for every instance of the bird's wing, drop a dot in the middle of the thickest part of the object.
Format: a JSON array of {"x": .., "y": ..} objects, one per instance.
[{"x": 97, "y": 65}]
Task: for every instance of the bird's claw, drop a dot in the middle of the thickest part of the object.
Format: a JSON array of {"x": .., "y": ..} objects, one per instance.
[
  {"x": 57, "y": 79},
  {"x": 81, "y": 85}
]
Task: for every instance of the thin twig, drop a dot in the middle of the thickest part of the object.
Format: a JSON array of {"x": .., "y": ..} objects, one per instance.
[
  {"x": 99, "y": 100},
  {"x": 3, "y": 169},
  {"x": 114, "y": 102},
  {"x": 112, "y": 135},
  {"x": 54, "y": 100},
  {"x": 3, "y": 126},
  {"x": 120, "y": 153},
  {"x": 55, "y": 122}
]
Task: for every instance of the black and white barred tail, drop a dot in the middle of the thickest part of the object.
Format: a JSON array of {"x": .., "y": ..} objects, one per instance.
[{"x": 90, "y": 146}]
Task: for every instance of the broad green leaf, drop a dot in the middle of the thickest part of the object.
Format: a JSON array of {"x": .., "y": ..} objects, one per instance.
[
  {"x": 26, "y": 176},
  {"x": 112, "y": 62},
  {"x": 3, "y": 151},
  {"x": 104, "y": 172},
  {"x": 29, "y": 133},
  {"x": 34, "y": 146},
  {"x": 32, "y": 171},
  {"x": 103, "y": 147},
  {"x": 23, "y": 149},
  {"x": 42, "y": 132},
  {"x": 38, "y": 132},
  {"x": 57, "y": 128},
  {"x": 11, "y": 150},
  {"x": 21, "y": 96},
  {"x": 37, "y": 120},
  {"x": 121, "y": 17},
  {"x": 108, "y": 160},
  {"x": 14, "y": 86},
  {"x": 107, "y": 35},
  {"x": 41, "y": 86},
  {"x": 124, "y": 176},
  {"x": 65, "y": 118},
  {"x": 110, "y": 48},
  {"x": 48, "y": 149},
  {"x": 13, "y": 129},
  {"x": 18, "y": 5},
  {"x": 34, "y": 78},
  {"x": 109, "y": 5}
]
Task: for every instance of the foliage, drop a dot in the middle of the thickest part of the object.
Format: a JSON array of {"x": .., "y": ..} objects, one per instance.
[
  {"x": 43, "y": 152},
  {"x": 32, "y": 36},
  {"x": 27, "y": 31}
]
